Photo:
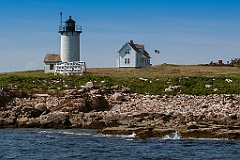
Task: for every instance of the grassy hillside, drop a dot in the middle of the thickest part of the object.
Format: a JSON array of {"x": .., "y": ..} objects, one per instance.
[
  {"x": 152, "y": 80},
  {"x": 168, "y": 70}
]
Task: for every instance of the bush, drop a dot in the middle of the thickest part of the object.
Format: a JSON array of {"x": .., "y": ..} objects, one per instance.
[
  {"x": 31, "y": 83},
  {"x": 235, "y": 61}
]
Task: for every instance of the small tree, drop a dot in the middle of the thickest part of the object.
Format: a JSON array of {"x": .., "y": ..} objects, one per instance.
[{"x": 235, "y": 61}]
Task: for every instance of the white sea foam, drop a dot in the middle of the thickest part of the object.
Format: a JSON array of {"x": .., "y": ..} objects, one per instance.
[
  {"x": 122, "y": 136},
  {"x": 46, "y": 132},
  {"x": 131, "y": 136},
  {"x": 103, "y": 135},
  {"x": 174, "y": 136},
  {"x": 80, "y": 133},
  {"x": 211, "y": 139},
  {"x": 75, "y": 133}
]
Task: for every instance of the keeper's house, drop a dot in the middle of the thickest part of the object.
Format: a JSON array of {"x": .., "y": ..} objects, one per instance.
[{"x": 132, "y": 55}]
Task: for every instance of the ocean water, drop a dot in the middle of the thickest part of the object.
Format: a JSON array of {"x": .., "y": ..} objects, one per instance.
[{"x": 44, "y": 144}]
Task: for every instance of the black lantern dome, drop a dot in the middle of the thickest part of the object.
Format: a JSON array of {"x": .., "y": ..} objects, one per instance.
[{"x": 70, "y": 24}]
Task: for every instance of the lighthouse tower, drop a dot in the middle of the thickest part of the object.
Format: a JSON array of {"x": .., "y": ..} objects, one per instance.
[{"x": 70, "y": 40}]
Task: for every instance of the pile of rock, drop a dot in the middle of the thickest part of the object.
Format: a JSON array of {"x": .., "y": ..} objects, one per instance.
[
  {"x": 50, "y": 111},
  {"x": 123, "y": 112},
  {"x": 188, "y": 114}
]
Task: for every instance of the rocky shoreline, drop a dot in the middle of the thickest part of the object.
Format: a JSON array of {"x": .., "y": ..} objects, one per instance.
[{"x": 115, "y": 110}]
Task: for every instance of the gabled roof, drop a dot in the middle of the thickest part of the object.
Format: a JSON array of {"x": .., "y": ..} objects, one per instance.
[
  {"x": 52, "y": 58},
  {"x": 136, "y": 47},
  {"x": 146, "y": 54},
  {"x": 139, "y": 46}
]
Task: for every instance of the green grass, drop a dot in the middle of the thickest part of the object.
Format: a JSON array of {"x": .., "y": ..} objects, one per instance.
[{"x": 192, "y": 80}]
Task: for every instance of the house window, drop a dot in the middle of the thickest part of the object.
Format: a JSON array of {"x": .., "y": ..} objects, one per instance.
[
  {"x": 51, "y": 66},
  {"x": 127, "y": 60},
  {"x": 127, "y": 51}
]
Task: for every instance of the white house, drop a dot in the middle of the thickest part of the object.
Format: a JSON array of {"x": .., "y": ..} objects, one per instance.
[{"x": 132, "y": 56}]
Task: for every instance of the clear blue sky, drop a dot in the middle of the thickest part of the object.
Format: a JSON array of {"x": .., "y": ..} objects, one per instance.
[{"x": 185, "y": 31}]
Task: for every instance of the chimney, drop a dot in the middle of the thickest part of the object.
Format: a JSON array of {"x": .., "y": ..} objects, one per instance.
[
  {"x": 220, "y": 61},
  {"x": 131, "y": 41}
]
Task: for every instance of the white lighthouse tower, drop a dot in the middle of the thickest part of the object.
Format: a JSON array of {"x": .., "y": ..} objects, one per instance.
[
  {"x": 70, "y": 48},
  {"x": 70, "y": 41}
]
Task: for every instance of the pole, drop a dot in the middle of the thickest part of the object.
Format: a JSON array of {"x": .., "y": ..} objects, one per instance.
[
  {"x": 61, "y": 19},
  {"x": 153, "y": 58}
]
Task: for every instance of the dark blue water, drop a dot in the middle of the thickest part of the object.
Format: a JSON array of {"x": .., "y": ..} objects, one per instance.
[{"x": 87, "y": 144}]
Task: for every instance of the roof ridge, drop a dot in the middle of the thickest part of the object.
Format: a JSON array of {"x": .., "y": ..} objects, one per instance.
[{"x": 52, "y": 57}]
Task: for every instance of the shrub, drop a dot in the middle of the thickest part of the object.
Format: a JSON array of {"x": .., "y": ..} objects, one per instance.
[
  {"x": 35, "y": 82},
  {"x": 235, "y": 61}
]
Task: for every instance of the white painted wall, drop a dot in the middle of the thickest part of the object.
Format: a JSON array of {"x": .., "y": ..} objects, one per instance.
[
  {"x": 47, "y": 68},
  {"x": 135, "y": 58},
  {"x": 122, "y": 56},
  {"x": 70, "y": 46},
  {"x": 70, "y": 67}
]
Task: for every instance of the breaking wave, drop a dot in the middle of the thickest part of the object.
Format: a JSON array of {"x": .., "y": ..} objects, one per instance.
[{"x": 174, "y": 136}]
